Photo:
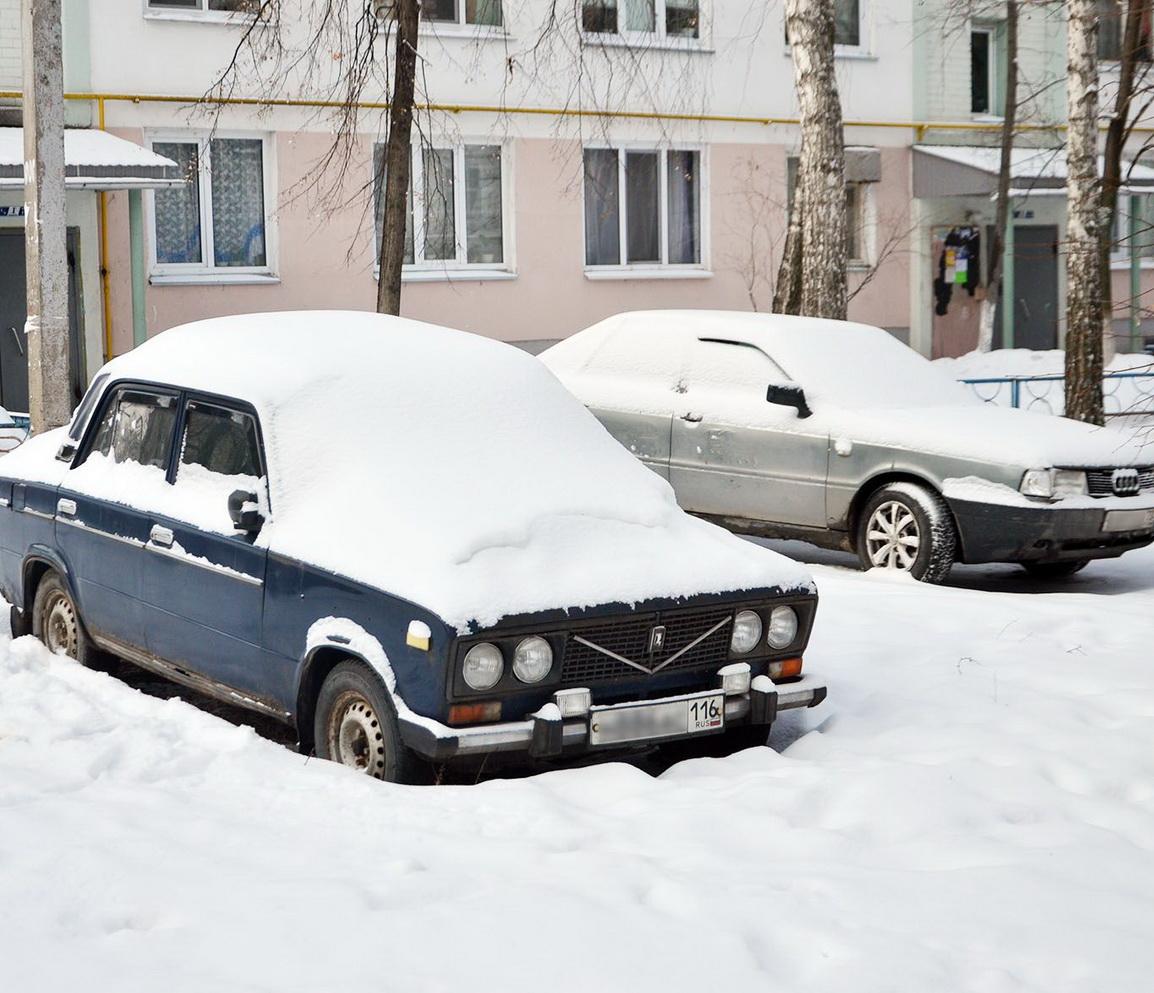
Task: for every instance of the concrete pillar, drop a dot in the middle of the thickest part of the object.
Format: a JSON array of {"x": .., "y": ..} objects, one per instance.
[
  {"x": 136, "y": 245},
  {"x": 1009, "y": 302},
  {"x": 45, "y": 227}
]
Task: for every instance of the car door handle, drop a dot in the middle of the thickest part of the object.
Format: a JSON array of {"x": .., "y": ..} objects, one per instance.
[
  {"x": 66, "y": 507},
  {"x": 161, "y": 536},
  {"x": 691, "y": 417}
]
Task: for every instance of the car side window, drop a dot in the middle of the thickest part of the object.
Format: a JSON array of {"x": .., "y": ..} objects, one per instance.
[
  {"x": 733, "y": 366},
  {"x": 219, "y": 454},
  {"x": 137, "y": 427}
]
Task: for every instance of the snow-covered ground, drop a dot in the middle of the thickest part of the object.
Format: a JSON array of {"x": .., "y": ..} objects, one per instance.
[{"x": 971, "y": 810}]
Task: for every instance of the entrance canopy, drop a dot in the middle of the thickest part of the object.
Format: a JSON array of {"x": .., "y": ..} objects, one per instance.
[
  {"x": 93, "y": 160},
  {"x": 966, "y": 170}
]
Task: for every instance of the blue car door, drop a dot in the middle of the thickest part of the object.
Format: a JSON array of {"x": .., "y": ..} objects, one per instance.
[
  {"x": 204, "y": 578},
  {"x": 101, "y": 522}
]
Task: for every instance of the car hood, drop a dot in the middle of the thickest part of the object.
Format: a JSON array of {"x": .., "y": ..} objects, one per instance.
[{"x": 985, "y": 433}]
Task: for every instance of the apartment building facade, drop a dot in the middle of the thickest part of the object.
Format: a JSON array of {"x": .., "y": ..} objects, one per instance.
[{"x": 636, "y": 154}]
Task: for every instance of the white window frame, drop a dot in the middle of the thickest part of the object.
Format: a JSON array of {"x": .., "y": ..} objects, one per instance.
[
  {"x": 862, "y": 50},
  {"x": 867, "y": 226},
  {"x": 462, "y": 28},
  {"x": 655, "y": 39},
  {"x": 423, "y": 270},
  {"x": 206, "y": 271},
  {"x": 651, "y": 270},
  {"x": 201, "y": 13},
  {"x": 993, "y": 83}
]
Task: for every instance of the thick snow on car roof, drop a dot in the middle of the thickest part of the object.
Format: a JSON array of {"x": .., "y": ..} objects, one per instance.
[
  {"x": 826, "y": 357},
  {"x": 446, "y": 468}
]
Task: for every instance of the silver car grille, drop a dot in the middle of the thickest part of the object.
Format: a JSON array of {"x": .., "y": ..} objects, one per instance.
[{"x": 1125, "y": 481}]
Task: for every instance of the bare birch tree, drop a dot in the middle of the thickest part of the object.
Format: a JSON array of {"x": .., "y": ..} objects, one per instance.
[
  {"x": 1002, "y": 215},
  {"x": 1084, "y": 314},
  {"x": 812, "y": 276}
]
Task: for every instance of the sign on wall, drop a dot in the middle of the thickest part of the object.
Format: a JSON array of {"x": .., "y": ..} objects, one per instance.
[{"x": 12, "y": 211}]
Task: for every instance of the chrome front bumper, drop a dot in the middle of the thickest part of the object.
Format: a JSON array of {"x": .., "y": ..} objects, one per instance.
[{"x": 545, "y": 736}]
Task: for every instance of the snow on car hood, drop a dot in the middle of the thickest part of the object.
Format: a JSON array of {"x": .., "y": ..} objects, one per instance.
[{"x": 442, "y": 467}]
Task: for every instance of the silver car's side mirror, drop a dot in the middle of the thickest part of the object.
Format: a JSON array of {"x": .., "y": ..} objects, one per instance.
[{"x": 789, "y": 396}]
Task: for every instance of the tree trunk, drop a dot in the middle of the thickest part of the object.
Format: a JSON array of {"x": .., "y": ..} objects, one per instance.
[
  {"x": 1002, "y": 215},
  {"x": 1083, "y": 272},
  {"x": 818, "y": 266},
  {"x": 787, "y": 290},
  {"x": 398, "y": 156},
  {"x": 1116, "y": 134}
]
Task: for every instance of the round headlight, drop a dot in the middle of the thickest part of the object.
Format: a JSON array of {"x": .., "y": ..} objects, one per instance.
[
  {"x": 532, "y": 660},
  {"x": 782, "y": 627},
  {"x": 746, "y": 632},
  {"x": 483, "y": 666}
]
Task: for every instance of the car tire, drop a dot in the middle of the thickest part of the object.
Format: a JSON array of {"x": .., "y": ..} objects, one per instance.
[
  {"x": 1054, "y": 571},
  {"x": 355, "y": 724},
  {"x": 908, "y": 527},
  {"x": 56, "y": 621}
]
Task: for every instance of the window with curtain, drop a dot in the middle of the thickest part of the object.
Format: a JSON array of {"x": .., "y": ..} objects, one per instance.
[
  {"x": 456, "y": 206},
  {"x": 485, "y": 13},
  {"x": 660, "y": 18},
  {"x": 1112, "y": 31},
  {"x": 642, "y": 208},
  {"x": 216, "y": 220}
]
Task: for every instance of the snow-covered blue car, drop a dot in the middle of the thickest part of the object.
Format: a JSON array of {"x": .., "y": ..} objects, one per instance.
[{"x": 409, "y": 543}]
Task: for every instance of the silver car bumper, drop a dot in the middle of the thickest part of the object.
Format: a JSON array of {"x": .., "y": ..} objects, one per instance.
[{"x": 550, "y": 736}]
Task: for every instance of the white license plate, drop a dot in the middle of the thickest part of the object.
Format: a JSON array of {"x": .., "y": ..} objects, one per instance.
[
  {"x": 647, "y": 721},
  {"x": 1128, "y": 520}
]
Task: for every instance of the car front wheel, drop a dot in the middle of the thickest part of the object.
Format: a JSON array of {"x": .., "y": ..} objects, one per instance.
[
  {"x": 56, "y": 621},
  {"x": 908, "y": 528},
  {"x": 356, "y": 725}
]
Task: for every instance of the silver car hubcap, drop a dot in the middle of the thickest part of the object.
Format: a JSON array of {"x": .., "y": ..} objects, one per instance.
[
  {"x": 893, "y": 537},
  {"x": 61, "y": 631},
  {"x": 355, "y": 736}
]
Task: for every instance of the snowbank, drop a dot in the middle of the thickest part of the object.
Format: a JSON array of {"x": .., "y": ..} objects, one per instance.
[{"x": 974, "y": 812}]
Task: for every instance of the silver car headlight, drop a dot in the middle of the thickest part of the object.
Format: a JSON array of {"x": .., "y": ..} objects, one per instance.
[
  {"x": 782, "y": 627},
  {"x": 1054, "y": 484},
  {"x": 483, "y": 666},
  {"x": 746, "y": 632},
  {"x": 532, "y": 660}
]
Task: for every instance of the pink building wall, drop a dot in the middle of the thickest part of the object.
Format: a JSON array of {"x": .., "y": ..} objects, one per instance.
[{"x": 325, "y": 256}]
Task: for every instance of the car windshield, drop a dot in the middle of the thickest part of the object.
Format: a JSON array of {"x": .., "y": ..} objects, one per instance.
[{"x": 853, "y": 365}]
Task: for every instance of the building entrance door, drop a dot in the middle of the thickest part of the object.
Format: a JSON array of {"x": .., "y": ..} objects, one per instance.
[
  {"x": 14, "y": 312},
  {"x": 1035, "y": 288}
]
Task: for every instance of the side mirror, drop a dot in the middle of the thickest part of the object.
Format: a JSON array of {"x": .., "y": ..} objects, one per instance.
[
  {"x": 789, "y": 396},
  {"x": 66, "y": 452},
  {"x": 244, "y": 509}
]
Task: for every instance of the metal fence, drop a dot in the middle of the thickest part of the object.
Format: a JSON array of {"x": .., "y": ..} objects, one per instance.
[{"x": 1125, "y": 394}]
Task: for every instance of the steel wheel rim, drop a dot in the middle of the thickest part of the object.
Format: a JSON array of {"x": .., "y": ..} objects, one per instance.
[
  {"x": 893, "y": 537},
  {"x": 355, "y": 736},
  {"x": 61, "y": 628}
]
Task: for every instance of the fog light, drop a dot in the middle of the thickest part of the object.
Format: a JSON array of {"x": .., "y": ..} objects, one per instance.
[
  {"x": 573, "y": 703},
  {"x": 735, "y": 679},
  {"x": 785, "y": 669},
  {"x": 475, "y": 713}
]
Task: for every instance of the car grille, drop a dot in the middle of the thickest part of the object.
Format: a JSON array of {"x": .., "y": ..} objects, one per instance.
[
  {"x": 1101, "y": 481},
  {"x": 629, "y": 638}
]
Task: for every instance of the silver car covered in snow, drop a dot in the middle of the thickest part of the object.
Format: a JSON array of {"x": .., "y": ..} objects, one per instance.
[{"x": 838, "y": 434}]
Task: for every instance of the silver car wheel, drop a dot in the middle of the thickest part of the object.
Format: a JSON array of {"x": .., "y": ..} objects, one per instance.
[
  {"x": 355, "y": 737},
  {"x": 893, "y": 537}
]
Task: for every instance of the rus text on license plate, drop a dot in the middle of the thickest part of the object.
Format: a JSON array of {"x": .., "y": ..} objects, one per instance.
[{"x": 665, "y": 719}]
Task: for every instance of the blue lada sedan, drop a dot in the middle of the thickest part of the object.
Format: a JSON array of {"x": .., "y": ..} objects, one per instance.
[{"x": 409, "y": 543}]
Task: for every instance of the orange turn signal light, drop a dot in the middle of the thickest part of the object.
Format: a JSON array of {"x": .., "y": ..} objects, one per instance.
[
  {"x": 785, "y": 669},
  {"x": 475, "y": 713}
]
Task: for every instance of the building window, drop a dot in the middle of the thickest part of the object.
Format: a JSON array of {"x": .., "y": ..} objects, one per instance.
[
  {"x": 656, "y": 18},
  {"x": 983, "y": 71},
  {"x": 857, "y": 208},
  {"x": 201, "y": 6},
  {"x": 846, "y": 24},
  {"x": 1143, "y": 228},
  {"x": 486, "y": 13},
  {"x": 456, "y": 211},
  {"x": 217, "y": 221},
  {"x": 642, "y": 208},
  {"x": 1112, "y": 31}
]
